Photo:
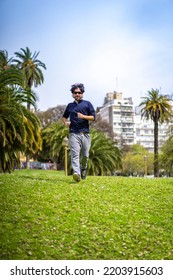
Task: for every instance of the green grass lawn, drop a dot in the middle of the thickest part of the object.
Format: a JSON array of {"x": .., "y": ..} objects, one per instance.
[{"x": 46, "y": 215}]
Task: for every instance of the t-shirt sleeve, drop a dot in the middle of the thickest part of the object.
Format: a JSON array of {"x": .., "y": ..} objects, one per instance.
[
  {"x": 66, "y": 113},
  {"x": 92, "y": 111}
]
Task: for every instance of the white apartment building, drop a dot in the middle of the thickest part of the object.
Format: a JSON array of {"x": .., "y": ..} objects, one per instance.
[
  {"x": 119, "y": 113},
  {"x": 127, "y": 125},
  {"x": 144, "y": 133}
]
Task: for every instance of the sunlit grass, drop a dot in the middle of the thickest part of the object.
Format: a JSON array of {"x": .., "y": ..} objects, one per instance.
[{"x": 45, "y": 215}]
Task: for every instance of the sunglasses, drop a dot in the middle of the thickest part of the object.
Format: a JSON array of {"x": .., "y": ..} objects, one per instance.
[{"x": 77, "y": 92}]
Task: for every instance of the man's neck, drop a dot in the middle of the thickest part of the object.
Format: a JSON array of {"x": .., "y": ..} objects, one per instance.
[{"x": 77, "y": 101}]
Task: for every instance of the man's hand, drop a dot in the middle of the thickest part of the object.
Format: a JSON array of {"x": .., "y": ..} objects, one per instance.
[
  {"x": 80, "y": 116},
  {"x": 88, "y": 118},
  {"x": 67, "y": 124}
]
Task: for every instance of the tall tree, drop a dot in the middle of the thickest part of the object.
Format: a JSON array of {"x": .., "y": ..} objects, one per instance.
[
  {"x": 51, "y": 115},
  {"x": 29, "y": 64},
  {"x": 156, "y": 107},
  {"x": 167, "y": 156},
  {"x": 19, "y": 128},
  {"x": 31, "y": 67}
]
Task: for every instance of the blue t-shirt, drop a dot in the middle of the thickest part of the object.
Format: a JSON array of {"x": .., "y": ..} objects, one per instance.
[{"x": 79, "y": 125}]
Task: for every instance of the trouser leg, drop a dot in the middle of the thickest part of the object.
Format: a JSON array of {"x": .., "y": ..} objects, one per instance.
[
  {"x": 85, "y": 150},
  {"x": 75, "y": 148}
]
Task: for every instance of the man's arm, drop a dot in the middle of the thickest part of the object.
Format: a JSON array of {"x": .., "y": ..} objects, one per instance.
[
  {"x": 88, "y": 118},
  {"x": 66, "y": 122}
]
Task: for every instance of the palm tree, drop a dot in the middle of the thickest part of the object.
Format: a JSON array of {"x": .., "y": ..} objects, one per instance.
[
  {"x": 19, "y": 128},
  {"x": 5, "y": 61},
  {"x": 53, "y": 136},
  {"x": 156, "y": 107},
  {"x": 30, "y": 66},
  {"x": 105, "y": 156}
]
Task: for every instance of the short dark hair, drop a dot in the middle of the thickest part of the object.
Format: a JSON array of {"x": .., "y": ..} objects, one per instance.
[{"x": 77, "y": 85}]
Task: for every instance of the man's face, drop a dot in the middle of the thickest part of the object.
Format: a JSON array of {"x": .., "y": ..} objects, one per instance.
[{"x": 77, "y": 94}]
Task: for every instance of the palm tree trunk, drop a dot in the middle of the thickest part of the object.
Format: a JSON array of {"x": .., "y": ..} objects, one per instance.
[
  {"x": 29, "y": 108},
  {"x": 27, "y": 162},
  {"x": 156, "y": 145}
]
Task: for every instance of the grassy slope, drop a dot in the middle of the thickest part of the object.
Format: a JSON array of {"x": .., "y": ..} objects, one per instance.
[{"x": 46, "y": 215}]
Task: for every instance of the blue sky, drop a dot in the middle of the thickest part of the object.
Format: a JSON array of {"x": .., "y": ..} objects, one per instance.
[{"x": 122, "y": 45}]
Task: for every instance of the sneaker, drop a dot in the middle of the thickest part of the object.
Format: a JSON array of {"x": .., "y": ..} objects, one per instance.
[
  {"x": 76, "y": 177},
  {"x": 83, "y": 173}
]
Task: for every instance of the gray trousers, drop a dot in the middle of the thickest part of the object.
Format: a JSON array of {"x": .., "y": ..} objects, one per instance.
[{"x": 79, "y": 150}]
